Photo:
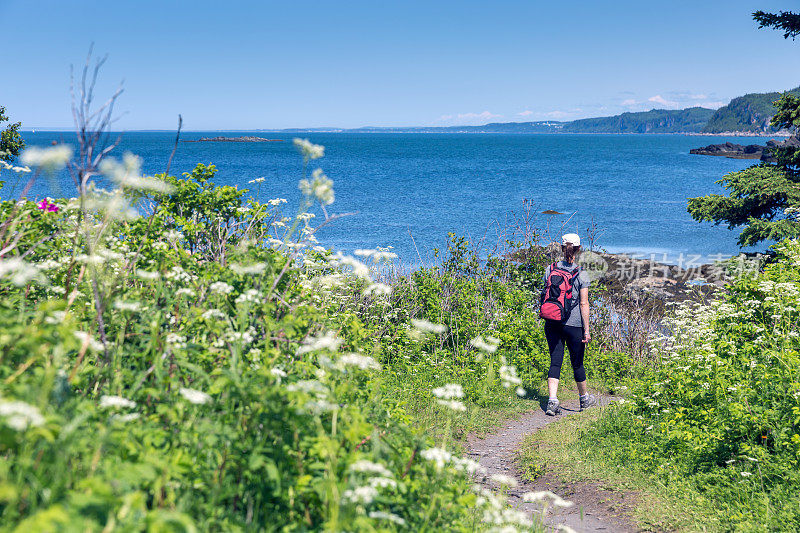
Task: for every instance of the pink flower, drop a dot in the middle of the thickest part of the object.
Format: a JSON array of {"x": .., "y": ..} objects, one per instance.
[{"x": 45, "y": 205}]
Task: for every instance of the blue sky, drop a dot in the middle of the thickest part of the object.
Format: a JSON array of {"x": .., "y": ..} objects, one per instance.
[{"x": 264, "y": 64}]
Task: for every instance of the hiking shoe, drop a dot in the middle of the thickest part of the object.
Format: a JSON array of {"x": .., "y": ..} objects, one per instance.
[
  {"x": 553, "y": 408},
  {"x": 589, "y": 401}
]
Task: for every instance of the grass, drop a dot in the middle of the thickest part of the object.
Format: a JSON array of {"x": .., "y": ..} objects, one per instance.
[
  {"x": 480, "y": 417},
  {"x": 558, "y": 452}
]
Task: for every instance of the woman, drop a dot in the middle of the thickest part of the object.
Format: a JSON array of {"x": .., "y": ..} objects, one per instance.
[{"x": 572, "y": 327}]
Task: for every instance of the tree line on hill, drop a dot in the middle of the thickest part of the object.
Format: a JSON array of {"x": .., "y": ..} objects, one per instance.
[{"x": 750, "y": 113}]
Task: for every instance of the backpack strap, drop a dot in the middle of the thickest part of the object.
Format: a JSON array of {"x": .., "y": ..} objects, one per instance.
[{"x": 573, "y": 277}]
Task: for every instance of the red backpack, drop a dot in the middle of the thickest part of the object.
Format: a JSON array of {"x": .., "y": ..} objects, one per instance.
[{"x": 557, "y": 297}]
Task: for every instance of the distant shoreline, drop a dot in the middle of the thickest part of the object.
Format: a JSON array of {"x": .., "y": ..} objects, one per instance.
[{"x": 312, "y": 131}]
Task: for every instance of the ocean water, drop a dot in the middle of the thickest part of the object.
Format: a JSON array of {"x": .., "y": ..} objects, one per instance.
[{"x": 409, "y": 190}]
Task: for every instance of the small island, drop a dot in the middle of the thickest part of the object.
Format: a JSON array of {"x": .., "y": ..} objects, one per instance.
[
  {"x": 245, "y": 139},
  {"x": 750, "y": 151},
  {"x": 732, "y": 150}
]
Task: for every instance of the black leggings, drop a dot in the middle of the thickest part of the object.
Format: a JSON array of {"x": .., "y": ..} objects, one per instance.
[{"x": 558, "y": 334}]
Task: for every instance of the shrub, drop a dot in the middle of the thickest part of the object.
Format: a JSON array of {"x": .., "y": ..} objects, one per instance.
[
  {"x": 189, "y": 370},
  {"x": 721, "y": 410}
]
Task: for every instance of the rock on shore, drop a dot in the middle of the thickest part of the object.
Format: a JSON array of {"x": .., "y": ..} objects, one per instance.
[
  {"x": 750, "y": 151},
  {"x": 729, "y": 149}
]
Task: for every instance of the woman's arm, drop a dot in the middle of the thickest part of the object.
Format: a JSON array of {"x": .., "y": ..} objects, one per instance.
[{"x": 584, "y": 294}]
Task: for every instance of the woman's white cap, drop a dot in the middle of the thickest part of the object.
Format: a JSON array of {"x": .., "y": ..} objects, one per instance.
[{"x": 571, "y": 238}]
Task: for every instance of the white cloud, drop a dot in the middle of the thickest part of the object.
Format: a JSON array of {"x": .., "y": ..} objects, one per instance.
[
  {"x": 525, "y": 113},
  {"x": 629, "y": 102},
  {"x": 712, "y": 105},
  {"x": 660, "y": 100},
  {"x": 698, "y": 96},
  {"x": 557, "y": 114},
  {"x": 467, "y": 119},
  {"x": 485, "y": 115}
]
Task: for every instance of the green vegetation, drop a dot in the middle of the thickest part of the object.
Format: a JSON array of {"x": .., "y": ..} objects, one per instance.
[
  {"x": 718, "y": 416},
  {"x": 208, "y": 367},
  {"x": 11, "y": 142},
  {"x": 749, "y": 113},
  {"x": 764, "y": 198},
  {"x": 707, "y": 437},
  {"x": 566, "y": 455},
  {"x": 785, "y": 21},
  {"x": 688, "y": 120}
]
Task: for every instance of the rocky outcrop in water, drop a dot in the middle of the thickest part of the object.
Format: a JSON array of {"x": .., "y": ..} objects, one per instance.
[
  {"x": 245, "y": 139},
  {"x": 791, "y": 142},
  {"x": 729, "y": 149},
  {"x": 750, "y": 151}
]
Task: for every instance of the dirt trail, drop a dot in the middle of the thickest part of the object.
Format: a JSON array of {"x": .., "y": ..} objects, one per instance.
[{"x": 594, "y": 509}]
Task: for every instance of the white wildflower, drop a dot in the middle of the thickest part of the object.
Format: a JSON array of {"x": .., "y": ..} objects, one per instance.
[
  {"x": 257, "y": 180},
  {"x": 19, "y": 170},
  {"x": 128, "y": 174},
  {"x": 127, "y": 417},
  {"x": 56, "y": 317},
  {"x": 195, "y": 396},
  {"x": 745, "y": 474},
  {"x": 20, "y": 415},
  {"x": 364, "y": 362},
  {"x": 127, "y": 306},
  {"x": 489, "y": 345},
  {"x": 504, "y": 480},
  {"x": 183, "y": 291},
  {"x": 508, "y": 374},
  {"x": 319, "y": 187},
  {"x": 146, "y": 275},
  {"x": 250, "y": 295},
  {"x": 220, "y": 287},
  {"x": 436, "y": 455},
  {"x": 368, "y": 467},
  {"x": 320, "y": 406},
  {"x": 173, "y": 235},
  {"x": 382, "y": 256},
  {"x": 309, "y": 386},
  {"x": 213, "y": 313},
  {"x": 276, "y": 201},
  {"x": 93, "y": 259},
  {"x": 50, "y": 159},
  {"x": 455, "y": 405},
  {"x": 328, "y": 341},
  {"x": 176, "y": 341},
  {"x": 178, "y": 274},
  {"x": 363, "y": 495},
  {"x": 19, "y": 272},
  {"x": 116, "y": 402},
  {"x": 382, "y": 483},
  {"x": 308, "y": 149},
  {"x": 255, "y": 268},
  {"x": 449, "y": 391},
  {"x": 425, "y": 326},
  {"x": 557, "y": 500},
  {"x": 358, "y": 268},
  {"x": 90, "y": 341},
  {"x": 381, "y": 515},
  {"x": 468, "y": 466},
  {"x": 378, "y": 289}
]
